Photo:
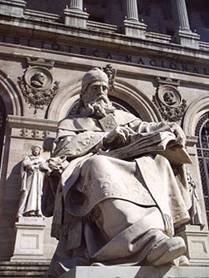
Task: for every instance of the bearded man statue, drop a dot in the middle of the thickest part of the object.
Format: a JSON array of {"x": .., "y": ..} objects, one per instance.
[{"x": 111, "y": 210}]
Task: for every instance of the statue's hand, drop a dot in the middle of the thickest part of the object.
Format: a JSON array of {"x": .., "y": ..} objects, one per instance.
[
  {"x": 29, "y": 168},
  {"x": 119, "y": 136},
  {"x": 58, "y": 164},
  {"x": 180, "y": 136}
]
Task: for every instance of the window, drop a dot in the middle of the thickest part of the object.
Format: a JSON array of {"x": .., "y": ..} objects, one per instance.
[{"x": 202, "y": 131}]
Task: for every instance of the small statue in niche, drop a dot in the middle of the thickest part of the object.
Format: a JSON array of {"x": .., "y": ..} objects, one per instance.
[{"x": 32, "y": 174}]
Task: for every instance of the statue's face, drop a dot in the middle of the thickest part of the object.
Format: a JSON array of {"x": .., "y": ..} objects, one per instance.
[
  {"x": 169, "y": 98},
  {"x": 95, "y": 99},
  {"x": 37, "y": 80},
  {"x": 36, "y": 151},
  {"x": 96, "y": 92}
]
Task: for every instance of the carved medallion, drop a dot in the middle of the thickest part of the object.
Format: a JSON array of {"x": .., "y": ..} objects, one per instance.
[
  {"x": 38, "y": 87},
  {"x": 170, "y": 103}
]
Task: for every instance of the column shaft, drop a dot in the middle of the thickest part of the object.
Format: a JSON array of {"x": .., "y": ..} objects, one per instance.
[
  {"x": 132, "y": 10},
  {"x": 76, "y": 4},
  {"x": 182, "y": 15}
]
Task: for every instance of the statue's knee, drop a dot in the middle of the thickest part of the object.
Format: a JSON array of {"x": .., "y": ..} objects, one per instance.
[
  {"x": 96, "y": 161},
  {"x": 161, "y": 160}
]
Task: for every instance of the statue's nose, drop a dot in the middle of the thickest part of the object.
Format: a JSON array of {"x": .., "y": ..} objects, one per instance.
[{"x": 101, "y": 90}]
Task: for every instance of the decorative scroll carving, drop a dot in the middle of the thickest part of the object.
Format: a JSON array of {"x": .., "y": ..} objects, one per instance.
[
  {"x": 169, "y": 101},
  {"x": 37, "y": 86}
]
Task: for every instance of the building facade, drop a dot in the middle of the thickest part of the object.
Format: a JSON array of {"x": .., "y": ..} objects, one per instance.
[{"x": 159, "y": 51}]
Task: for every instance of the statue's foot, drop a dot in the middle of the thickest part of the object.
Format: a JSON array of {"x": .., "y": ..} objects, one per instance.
[{"x": 166, "y": 251}]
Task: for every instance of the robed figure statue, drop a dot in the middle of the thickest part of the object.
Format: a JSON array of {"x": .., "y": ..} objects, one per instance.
[
  {"x": 32, "y": 176},
  {"x": 111, "y": 190}
]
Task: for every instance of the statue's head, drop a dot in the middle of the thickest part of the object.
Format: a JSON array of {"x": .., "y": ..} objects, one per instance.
[
  {"x": 36, "y": 150},
  {"x": 94, "y": 93},
  {"x": 37, "y": 80}
]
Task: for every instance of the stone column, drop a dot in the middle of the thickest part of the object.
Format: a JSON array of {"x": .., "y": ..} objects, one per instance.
[
  {"x": 182, "y": 15},
  {"x": 13, "y": 8},
  {"x": 76, "y": 4},
  {"x": 132, "y": 10},
  {"x": 74, "y": 14},
  {"x": 184, "y": 34},
  {"x": 133, "y": 27}
]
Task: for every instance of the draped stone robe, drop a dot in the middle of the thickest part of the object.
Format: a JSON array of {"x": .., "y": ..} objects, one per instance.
[{"x": 96, "y": 190}]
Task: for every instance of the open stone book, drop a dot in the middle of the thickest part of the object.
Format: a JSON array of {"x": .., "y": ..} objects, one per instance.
[{"x": 163, "y": 143}]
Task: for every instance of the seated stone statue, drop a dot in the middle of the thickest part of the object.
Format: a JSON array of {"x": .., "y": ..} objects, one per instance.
[{"x": 110, "y": 210}]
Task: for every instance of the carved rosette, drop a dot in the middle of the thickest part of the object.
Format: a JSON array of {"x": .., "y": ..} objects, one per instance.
[
  {"x": 38, "y": 87},
  {"x": 170, "y": 103}
]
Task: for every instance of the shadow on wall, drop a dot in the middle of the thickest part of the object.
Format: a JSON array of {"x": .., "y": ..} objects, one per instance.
[{"x": 9, "y": 212}]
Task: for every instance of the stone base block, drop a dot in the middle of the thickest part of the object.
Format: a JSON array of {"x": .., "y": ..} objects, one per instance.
[
  {"x": 12, "y": 7},
  {"x": 188, "y": 38},
  {"x": 135, "y": 29},
  {"x": 137, "y": 272},
  {"x": 75, "y": 18},
  {"x": 197, "y": 242},
  {"x": 29, "y": 239}
]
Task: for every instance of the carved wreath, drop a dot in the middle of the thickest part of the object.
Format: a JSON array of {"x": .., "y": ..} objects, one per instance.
[
  {"x": 38, "y": 87},
  {"x": 170, "y": 103}
]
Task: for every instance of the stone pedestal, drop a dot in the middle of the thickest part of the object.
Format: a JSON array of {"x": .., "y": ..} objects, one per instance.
[
  {"x": 197, "y": 242},
  {"x": 75, "y": 18},
  {"x": 188, "y": 38},
  {"x": 137, "y": 272},
  {"x": 12, "y": 7},
  {"x": 29, "y": 239},
  {"x": 135, "y": 28}
]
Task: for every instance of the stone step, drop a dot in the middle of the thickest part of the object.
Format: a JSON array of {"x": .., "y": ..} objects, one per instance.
[{"x": 23, "y": 269}]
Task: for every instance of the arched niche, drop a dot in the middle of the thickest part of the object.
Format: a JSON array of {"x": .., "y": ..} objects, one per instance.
[
  {"x": 2, "y": 125},
  {"x": 10, "y": 96},
  {"x": 124, "y": 94},
  {"x": 193, "y": 114},
  {"x": 202, "y": 132},
  {"x": 193, "y": 124}
]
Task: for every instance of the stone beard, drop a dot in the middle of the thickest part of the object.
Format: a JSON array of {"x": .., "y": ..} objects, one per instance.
[{"x": 98, "y": 108}]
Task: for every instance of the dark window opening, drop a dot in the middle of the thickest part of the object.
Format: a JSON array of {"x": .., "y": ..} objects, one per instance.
[{"x": 2, "y": 126}]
